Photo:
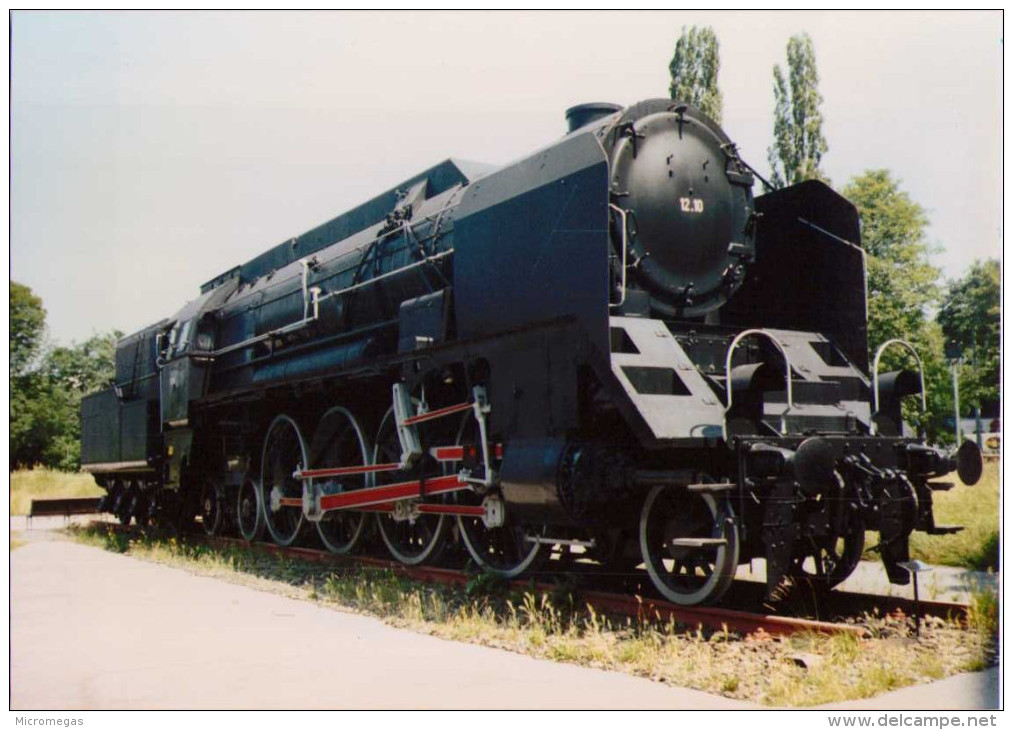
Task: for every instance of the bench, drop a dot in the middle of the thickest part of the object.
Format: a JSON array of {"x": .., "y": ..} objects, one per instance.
[{"x": 64, "y": 506}]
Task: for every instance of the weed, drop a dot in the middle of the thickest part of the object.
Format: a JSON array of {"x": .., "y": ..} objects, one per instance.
[
  {"x": 730, "y": 684},
  {"x": 983, "y": 614},
  {"x": 977, "y": 509},
  {"x": 486, "y": 584}
]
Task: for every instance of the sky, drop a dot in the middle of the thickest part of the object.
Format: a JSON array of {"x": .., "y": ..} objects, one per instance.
[{"x": 152, "y": 151}]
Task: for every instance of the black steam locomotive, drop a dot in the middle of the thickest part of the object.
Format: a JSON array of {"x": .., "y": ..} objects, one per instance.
[{"x": 607, "y": 349}]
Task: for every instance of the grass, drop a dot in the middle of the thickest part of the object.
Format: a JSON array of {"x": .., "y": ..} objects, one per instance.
[
  {"x": 977, "y": 509},
  {"x": 27, "y": 485},
  {"x": 797, "y": 671}
]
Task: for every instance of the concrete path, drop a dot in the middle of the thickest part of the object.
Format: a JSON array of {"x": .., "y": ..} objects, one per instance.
[
  {"x": 93, "y": 630},
  {"x": 975, "y": 691}
]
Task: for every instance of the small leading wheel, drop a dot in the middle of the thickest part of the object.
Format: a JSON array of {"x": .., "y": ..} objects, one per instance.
[
  {"x": 281, "y": 493},
  {"x": 505, "y": 551},
  {"x": 249, "y": 513},
  {"x": 690, "y": 544},
  {"x": 826, "y": 561},
  {"x": 211, "y": 508},
  {"x": 411, "y": 542},
  {"x": 339, "y": 442}
]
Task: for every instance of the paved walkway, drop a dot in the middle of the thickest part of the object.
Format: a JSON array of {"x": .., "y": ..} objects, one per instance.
[
  {"x": 975, "y": 691},
  {"x": 93, "y": 630}
]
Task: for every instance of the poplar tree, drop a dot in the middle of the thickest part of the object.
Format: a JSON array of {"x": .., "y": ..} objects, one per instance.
[
  {"x": 799, "y": 144},
  {"x": 694, "y": 71}
]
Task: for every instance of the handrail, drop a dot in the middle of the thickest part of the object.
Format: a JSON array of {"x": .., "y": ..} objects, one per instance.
[
  {"x": 314, "y": 300},
  {"x": 875, "y": 376},
  {"x": 393, "y": 272},
  {"x": 622, "y": 295},
  {"x": 728, "y": 375}
]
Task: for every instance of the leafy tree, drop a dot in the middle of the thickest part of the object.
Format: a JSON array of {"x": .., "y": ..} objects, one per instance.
[
  {"x": 27, "y": 327},
  {"x": 799, "y": 144},
  {"x": 970, "y": 318},
  {"x": 46, "y": 387},
  {"x": 902, "y": 285},
  {"x": 86, "y": 367},
  {"x": 68, "y": 374},
  {"x": 694, "y": 71}
]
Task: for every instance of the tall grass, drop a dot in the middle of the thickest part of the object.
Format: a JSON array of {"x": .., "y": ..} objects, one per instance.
[
  {"x": 977, "y": 509},
  {"x": 29, "y": 484}
]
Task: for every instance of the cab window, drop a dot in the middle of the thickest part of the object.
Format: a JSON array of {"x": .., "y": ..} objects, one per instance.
[{"x": 182, "y": 342}]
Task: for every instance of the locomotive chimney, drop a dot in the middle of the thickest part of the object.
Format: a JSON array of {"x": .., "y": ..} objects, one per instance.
[{"x": 583, "y": 114}]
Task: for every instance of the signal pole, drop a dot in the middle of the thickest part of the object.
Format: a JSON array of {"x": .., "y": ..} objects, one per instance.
[
  {"x": 956, "y": 399},
  {"x": 954, "y": 355}
]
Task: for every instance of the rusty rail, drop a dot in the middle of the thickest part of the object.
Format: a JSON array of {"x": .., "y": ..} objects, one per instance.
[
  {"x": 646, "y": 609},
  {"x": 639, "y": 607}
]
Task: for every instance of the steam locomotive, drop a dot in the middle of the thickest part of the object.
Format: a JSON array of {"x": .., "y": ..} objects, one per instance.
[{"x": 608, "y": 349}]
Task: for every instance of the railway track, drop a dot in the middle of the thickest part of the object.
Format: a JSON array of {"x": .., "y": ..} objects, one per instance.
[{"x": 837, "y": 604}]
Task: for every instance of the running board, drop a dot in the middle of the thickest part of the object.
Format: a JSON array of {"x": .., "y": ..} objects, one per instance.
[
  {"x": 698, "y": 542},
  {"x": 711, "y": 488}
]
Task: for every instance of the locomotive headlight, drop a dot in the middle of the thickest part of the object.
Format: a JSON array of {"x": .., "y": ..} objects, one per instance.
[{"x": 688, "y": 201}]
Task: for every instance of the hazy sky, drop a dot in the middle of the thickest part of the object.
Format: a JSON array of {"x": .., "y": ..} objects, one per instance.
[{"x": 152, "y": 151}]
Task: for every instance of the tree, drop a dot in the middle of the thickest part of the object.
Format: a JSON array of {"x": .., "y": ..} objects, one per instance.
[
  {"x": 46, "y": 387},
  {"x": 799, "y": 144},
  {"x": 902, "y": 285},
  {"x": 27, "y": 327},
  {"x": 68, "y": 374},
  {"x": 970, "y": 318},
  {"x": 84, "y": 368},
  {"x": 694, "y": 71}
]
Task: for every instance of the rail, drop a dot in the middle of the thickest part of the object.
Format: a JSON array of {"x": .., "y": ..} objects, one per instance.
[
  {"x": 636, "y": 606},
  {"x": 644, "y": 609}
]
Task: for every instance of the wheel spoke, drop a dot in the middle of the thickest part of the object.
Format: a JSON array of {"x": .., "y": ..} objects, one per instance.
[
  {"x": 422, "y": 539},
  {"x": 500, "y": 550},
  {"x": 249, "y": 514},
  {"x": 284, "y": 452},
  {"x": 834, "y": 557},
  {"x": 684, "y": 573},
  {"x": 339, "y": 441}
]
